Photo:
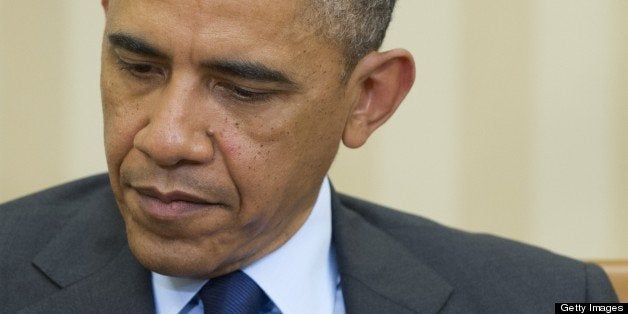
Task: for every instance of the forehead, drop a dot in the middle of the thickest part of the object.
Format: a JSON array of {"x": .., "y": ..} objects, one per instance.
[
  {"x": 275, "y": 9},
  {"x": 272, "y": 32},
  {"x": 252, "y": 24}
]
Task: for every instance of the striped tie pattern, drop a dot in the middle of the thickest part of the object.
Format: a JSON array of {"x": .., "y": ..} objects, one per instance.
[{"x": 233, "y": 293}]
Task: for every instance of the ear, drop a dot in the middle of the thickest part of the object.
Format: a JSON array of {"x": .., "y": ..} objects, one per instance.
[
  {"x": 383, "y": 80},
  {"x": 105, "y": 4}
]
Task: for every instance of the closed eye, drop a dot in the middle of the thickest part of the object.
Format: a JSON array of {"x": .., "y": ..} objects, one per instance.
[
  {"x": 140, "y": 70},
  {"x": 244, "y": 94},
  {"x": 248, "y": 94}
]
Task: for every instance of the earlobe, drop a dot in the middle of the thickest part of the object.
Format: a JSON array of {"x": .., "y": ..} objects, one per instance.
[{"x": 384, "y": 79}]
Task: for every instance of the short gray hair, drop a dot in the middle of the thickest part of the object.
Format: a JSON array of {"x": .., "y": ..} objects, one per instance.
[{"x": 357, "y": 26}]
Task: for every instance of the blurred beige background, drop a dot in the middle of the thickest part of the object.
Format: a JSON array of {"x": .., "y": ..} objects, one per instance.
[{"x": 517, "y": 124}]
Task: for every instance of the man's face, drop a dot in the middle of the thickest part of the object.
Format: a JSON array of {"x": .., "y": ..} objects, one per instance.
[{"x": 221, "y": 120}]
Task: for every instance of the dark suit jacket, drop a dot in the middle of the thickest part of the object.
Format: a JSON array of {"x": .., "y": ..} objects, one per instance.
[{"x": 64, "y": 251}]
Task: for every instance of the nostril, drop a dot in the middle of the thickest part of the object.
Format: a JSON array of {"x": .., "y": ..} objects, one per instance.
[{"x": 168, "y": 147}]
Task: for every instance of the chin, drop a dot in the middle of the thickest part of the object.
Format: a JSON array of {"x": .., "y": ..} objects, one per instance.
[
  {"x": 178, "y": 258},
  {"x": 165, "y": 260}
]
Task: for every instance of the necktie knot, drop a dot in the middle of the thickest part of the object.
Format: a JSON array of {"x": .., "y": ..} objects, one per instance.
[{"x": 233, "y": 293}]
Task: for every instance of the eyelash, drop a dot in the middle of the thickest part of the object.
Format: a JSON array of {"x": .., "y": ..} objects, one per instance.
[
  {"x": 245, "y": 94},
  {"x": 139, "y": 70}
]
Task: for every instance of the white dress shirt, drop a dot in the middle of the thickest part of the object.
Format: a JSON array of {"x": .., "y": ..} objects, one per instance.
[{"x": 300, "y": 277}]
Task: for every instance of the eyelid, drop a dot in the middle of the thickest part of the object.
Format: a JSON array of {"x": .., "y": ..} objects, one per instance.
[
  {"x": 133, "y": 58},
  {"x": 126, "y": 54},
  {"x": 236, "y": 91},
  {"x": 133, "y": 66}
]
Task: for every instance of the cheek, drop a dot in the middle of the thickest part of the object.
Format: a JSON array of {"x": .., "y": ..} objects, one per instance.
[
  {"x": 319, "y": 130},
  {"x": 257, "y": 154},
  {"x": 281, "y": 151},
  {"x": 121, "y": 123},
  {"x": 249, "y": 152}
]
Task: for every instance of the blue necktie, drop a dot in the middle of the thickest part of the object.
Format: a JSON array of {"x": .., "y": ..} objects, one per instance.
[{"x": 233, "y": 293}]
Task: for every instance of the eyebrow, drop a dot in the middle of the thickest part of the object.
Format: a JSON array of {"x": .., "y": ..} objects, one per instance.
[
  {"x": 244, "y": 69},
  {"x": 249, "y": 70},
  {"x": 134, "y": 45}
]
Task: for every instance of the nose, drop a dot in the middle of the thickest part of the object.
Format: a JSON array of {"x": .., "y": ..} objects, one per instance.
[{"x": 176, "y": 132}]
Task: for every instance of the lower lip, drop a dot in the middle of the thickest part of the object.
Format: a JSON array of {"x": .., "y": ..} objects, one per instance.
[{"x": 171, "y": 210}]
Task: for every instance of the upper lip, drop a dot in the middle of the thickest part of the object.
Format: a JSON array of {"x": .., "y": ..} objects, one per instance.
[{"x": 172, "y": 196}]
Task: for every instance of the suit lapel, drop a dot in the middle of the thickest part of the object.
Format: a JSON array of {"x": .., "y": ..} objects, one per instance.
[
  {"x": 122, "y": 286},
  {"x": 378, "y": 274},
  {"x": 91, "y": 262}
]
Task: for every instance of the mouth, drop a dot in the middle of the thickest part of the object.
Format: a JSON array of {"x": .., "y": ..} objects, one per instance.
[{"x": 173, "y": 204}]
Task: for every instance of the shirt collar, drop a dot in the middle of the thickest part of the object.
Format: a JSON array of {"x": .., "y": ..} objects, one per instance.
[
  {"x": 172, "y": 294},
  {"x": 299, "y": 277}
]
